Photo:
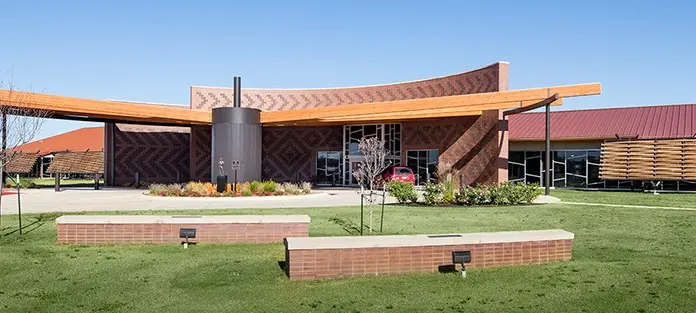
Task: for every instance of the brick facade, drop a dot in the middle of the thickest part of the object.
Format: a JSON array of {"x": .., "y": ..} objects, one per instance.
[
  {"x": 158, "y": 153},
  {"x": 119, "y": 233},
  {"x": 341, "y": 263},
  {"x": 475, "y": 146}
]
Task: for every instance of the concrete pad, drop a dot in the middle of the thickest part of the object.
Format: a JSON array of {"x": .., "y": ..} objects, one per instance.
[{"x": 544, "y": 199}]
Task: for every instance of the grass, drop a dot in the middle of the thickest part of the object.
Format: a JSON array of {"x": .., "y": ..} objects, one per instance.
[
  {"x": 624, "y": 260},
  {"x": 50, "y": 182},
  {"x": 680, "y": 200}
]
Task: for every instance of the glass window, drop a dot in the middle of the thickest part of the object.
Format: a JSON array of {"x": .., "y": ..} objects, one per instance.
[
  {"x": 558, "y": 156},
  {"x": 403, "y": 171},
  {"x": 558, "y": 170},
  {"x": 515, "y": 172},
  {"x": 593, "y": 174},
  {"x": 423, "y": 163},
  {"x": 516, "y": 156},
  {"x": 328, "y": 168},
  {"x": 575, "y": 181},
  {"x": 533, "y": 165},
  {"x": 593, "y": 156}
]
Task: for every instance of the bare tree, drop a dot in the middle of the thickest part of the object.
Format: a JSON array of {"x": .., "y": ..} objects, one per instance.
[
  {"x": 374, "y": 162},
  {"x": 20, "y": 122}
]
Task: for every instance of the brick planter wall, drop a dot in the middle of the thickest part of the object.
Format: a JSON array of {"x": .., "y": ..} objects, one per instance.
[
  {"x": 367, "y": 256},
  {"x": 165, "y": 229}
]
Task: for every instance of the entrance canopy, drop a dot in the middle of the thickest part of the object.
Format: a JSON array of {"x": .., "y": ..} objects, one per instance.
[{"x": 373, "y": 112}]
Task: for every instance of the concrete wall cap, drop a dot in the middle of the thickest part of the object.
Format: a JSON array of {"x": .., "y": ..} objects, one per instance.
[
  {"x": 183, "y": 219},
  {"x": 353, "y": 242}
]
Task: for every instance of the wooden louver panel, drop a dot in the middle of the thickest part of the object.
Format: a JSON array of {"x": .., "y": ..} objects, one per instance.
[{"x": 666, "y": 159}]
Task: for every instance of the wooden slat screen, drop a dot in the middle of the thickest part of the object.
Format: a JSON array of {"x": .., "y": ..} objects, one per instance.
[{"x": 666, "y": 159}]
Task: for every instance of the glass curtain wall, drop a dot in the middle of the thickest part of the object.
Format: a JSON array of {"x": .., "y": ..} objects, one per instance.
[
  {"x": 389, "y": 133},
  {"x": 423, "y": 163},
  {"x": 573, "y": 169}
]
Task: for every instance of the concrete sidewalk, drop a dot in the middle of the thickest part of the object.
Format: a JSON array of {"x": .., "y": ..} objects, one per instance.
[{"x": 121, "y": 199}]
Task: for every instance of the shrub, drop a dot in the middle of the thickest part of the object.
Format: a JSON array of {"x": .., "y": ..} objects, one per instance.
[
  {"x": 291, "y": 188},
  {"x": 433, "y": 194},
  {"x": 246, "y": 193},
  {"x": 269, "y": 186},
  {"x": 170, "y": 190},
  {"x": 306, "y": 187},
  {"x": 255, "y": 187},
  {"x": 195, "y": 189},
  {"x": 244, "y": 187},
  {"x": 449, "y": 191},
  {"x": 502, "y": 194},
  {"x": 26, "y": 183},
  {"x": 403, "y": 192},
  {"x": 280, "y": 189},
  {"x": 228, "y": 188}
]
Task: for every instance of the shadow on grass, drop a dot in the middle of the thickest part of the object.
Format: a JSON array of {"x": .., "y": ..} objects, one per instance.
[{"x": 35, "y": 223}]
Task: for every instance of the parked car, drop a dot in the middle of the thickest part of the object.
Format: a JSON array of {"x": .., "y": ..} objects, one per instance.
[{"x": 397, "y": 173}]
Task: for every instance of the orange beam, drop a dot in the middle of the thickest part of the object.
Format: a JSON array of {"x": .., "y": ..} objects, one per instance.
[
  {"x": 473, "y": 102},
  {"x": 113, "y": 110}
]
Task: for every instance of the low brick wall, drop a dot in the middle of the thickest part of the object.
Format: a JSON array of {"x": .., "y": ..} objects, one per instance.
[
  {"x": 117, "y": 229},
  {"x": 336, "y": 257}
]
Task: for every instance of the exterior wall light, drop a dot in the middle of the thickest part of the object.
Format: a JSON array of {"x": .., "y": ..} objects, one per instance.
[
  {"x": 187, "y": 233},
  {"x": 461, "y": 257}
]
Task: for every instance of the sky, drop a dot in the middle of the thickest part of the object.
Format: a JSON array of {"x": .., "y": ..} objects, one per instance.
[{"x": 643, "y": 52}]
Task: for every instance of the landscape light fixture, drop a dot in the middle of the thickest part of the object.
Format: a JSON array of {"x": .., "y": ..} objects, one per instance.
[
  {"x": 461, "y": 257},
  {"x": 187, "y": 233}
]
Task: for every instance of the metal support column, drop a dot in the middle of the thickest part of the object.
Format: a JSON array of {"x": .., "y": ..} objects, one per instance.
[{"x": 547, "y": 163}]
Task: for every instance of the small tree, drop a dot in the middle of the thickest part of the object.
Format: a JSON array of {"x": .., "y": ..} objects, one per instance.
[
  {"x": 373, "y": 163},
  {"x": 20, "y": 122}
]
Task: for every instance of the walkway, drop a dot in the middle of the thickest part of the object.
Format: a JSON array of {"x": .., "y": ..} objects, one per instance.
[{"x": 122, "y": 199}]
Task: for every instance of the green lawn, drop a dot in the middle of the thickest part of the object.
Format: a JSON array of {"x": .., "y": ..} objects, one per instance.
[
  {"x": 681, "y": 200},
  {"x": 625, "y": 260},
  {"x": 50, "y": 182}
]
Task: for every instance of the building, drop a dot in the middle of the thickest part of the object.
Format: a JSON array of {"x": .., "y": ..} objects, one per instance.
[
  {"x": 577, "y": 142},
  {"x": 311, "y": 134},
  {"x": 33, "y": 159}
]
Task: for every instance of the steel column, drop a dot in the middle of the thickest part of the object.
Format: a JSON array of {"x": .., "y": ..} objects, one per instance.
[{"x": 547, "y": 163}]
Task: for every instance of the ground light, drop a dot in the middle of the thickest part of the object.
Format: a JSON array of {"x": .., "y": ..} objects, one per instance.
[
  {"x": 461, "y": 257},
  {"x": 187, "y": 233}
]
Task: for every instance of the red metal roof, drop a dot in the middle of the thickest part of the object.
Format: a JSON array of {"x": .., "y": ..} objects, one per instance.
[
  {"x": 88, "y": 138},
  {"x": 650, "y": 122}
]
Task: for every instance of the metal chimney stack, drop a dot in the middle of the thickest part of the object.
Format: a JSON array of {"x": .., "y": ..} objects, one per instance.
[{"x": 237, "y": 92}]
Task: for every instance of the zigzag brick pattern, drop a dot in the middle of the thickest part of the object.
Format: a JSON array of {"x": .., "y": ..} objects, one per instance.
[
  {"x": 486, "y": 79},
  {"x": 289, "y": 153},
  {"x": 200, "y": 153},
  {"x": 156, "y": 152},
  {"x": 470, "y": 144}
]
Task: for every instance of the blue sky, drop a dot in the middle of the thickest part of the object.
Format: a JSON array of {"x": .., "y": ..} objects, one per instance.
[{"x": 643, "y": 52}]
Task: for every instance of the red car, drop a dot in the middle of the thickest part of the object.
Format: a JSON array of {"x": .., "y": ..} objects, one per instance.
[{"x": 397, "y": 173}]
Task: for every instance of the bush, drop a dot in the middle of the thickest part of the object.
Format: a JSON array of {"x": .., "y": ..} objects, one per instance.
[
  {"x": 269, "y": 186},
  {"x": 433, "y": 194},
  {"x": 502, "y": 194},
  {"x": 306, "y": 187},
  {"x": 255, "y": 187},
  {"x": 170, "y": 190},
  {"x": 403, "y": 192},
  {"x": 26, "y": 183},
  {"x": 291, "y": 188},
  {"x": 449, "y": 191}
]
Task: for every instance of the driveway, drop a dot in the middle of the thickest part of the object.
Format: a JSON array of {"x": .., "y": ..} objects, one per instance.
[{"x": 122, "y": 199}]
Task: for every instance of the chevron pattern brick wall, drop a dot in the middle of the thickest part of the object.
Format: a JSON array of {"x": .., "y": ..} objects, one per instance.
[
  {"x": 490, "y": 78},
  {"x": 200, "y": 153},
  {"x": 470, "y": 144},
  {"x": 157, "y": 153},
  {"x": 289, "y": 153}
]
